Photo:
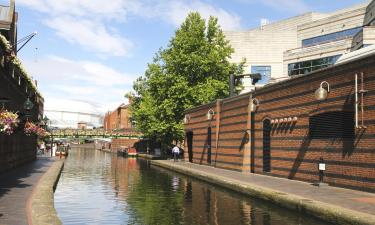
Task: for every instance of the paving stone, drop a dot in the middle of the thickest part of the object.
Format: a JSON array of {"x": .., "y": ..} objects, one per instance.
[{"x": 16, "y": 187}]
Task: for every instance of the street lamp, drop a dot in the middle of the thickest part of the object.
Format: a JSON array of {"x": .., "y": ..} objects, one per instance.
[
  {"x": 28, "y": 105},
  {"x": 255, "y": 77}
]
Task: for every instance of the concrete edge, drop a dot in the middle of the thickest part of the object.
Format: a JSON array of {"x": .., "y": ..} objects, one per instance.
[
  {"x": 42, "y": 207},
  {"x": 324, "y": 211},
  {"x": 148, "y": 156}
]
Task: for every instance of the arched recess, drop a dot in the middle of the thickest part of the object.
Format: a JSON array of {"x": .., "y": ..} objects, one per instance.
[{"x": 267, "y": 145}]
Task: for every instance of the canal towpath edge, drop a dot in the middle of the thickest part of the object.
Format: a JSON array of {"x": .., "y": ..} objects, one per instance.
[
  {"x": 273, "y": 189},
  {"x": 40, "y": 206}
]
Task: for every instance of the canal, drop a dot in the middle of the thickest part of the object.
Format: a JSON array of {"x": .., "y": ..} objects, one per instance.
[{"x": 100, "y": 188}]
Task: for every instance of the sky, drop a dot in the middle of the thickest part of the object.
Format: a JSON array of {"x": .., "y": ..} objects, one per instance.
[{"x": 87, "y": 53}]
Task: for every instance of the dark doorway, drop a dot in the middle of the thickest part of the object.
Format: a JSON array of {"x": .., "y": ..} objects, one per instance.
[
  {"x": 189, "y": 137},
  {"x": 266, "y": 145},
  {"x": 209, "y": 145}
]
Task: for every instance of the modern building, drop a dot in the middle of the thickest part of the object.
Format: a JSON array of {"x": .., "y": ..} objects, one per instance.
[{"x": 304, "y": 43}]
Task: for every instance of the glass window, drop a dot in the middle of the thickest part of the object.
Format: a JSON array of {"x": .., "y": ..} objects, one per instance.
[
  {"x": 331, "y": 37},
  {"x": 308, "y": 66},
  {"x": 265, "y": 72}
]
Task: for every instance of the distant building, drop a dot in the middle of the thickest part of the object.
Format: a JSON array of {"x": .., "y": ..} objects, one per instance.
[
  {"x": 118, "y": 119},
  {"x": 82, "y": 125},
  {"x": 302, "y": 44}
]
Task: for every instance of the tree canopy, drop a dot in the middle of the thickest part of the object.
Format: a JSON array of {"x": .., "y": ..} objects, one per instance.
[{"x": 193, "y": 70}]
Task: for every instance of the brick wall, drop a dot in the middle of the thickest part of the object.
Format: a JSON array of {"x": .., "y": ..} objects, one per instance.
[
  {"x": 118, "y": 143},
  {"x": 294, "y": 152},
  {"x": 118, "y": 119}
]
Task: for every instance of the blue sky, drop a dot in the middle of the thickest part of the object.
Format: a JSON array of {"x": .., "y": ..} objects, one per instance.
[{"x": 88, "y": 52}]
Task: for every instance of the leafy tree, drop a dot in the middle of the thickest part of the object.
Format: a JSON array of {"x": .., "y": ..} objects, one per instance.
[{"x": 193, "y": 70}]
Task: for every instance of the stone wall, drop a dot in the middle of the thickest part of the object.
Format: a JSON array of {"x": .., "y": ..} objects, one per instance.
[{"x": 239, "y": 139}]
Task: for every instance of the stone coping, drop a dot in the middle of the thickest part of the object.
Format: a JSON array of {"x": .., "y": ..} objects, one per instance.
[
  {"x": 327, "y": 212},
  {"x": 148, "y": 156},
  {"x": 41, "y": 210}
]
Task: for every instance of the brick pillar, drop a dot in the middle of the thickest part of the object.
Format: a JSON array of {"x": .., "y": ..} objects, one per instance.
[
  {"x": 246, "y": 158},
  {"x": 217, "y": 133}
]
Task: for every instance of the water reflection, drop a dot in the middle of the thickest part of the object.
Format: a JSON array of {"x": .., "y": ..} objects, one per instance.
[{"x": 98, "y": 188}]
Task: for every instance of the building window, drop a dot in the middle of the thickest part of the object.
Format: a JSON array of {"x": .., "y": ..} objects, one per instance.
[
  {"x": 264, "y": 71},
  {"x": 331, "y": 37},
  {"x": 300, "y": 68}
]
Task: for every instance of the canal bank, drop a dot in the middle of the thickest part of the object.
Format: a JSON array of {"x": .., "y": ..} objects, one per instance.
[
  {"x": 40, "y": 206},
  {"x": 335, "y": 205},
  {"x": 16, "y": 187}
]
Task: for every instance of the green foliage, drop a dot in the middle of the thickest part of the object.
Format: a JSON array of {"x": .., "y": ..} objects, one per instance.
[{"x": 192, "y": 71}]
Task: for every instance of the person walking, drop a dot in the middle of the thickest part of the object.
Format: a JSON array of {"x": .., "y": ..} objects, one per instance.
[
  {"x": 42, "y": 147},
  {"x": 175, "y": 152}
]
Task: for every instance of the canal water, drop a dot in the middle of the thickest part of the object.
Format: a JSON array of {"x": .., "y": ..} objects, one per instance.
[{"x": 100, "y": 188}]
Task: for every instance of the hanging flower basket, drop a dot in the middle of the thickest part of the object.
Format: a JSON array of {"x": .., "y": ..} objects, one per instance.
[
  {"x": 41, "y": 132},
  {"x": 30, "y": 128},
  {"x": 8, "y": 121}
]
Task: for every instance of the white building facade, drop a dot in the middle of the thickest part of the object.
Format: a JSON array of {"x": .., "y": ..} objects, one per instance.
[{"x": 304, "y": 43}]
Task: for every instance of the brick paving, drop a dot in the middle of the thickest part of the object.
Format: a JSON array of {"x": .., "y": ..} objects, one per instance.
[
  {"x": 16, "y": 187},
  {"x": 346, "y": 198}
]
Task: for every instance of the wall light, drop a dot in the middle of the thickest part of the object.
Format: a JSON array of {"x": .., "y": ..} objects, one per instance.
[
  {"x": 186, "y": 119},
  {"x": 253, "y": 104},
  {"x": 321, "y": 93},
  {"x": 210, "y": 114}
]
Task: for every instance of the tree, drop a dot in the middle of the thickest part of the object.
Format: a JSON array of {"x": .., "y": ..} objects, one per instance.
[{"x": 193, "y": 70}]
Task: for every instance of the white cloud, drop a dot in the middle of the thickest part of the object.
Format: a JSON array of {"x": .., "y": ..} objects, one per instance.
[
  {"x": 98, "y": 12},
  {"x": 174, "y": 12},
  {"x": 86, "y": 23},
  {"x": 87, "y": 81},
  {"x": 177, "y": 11},
  {"x": 91, "y": 35}
]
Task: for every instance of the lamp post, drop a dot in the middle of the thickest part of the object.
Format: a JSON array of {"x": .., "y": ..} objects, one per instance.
[{"x": 47, "y": 123}]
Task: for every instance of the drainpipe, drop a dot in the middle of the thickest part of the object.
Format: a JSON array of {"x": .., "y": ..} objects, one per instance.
[
  {"x": 218, "y": 115},
  {"x": 356, "y": 101},
  {"x": 363, "y": 92}
]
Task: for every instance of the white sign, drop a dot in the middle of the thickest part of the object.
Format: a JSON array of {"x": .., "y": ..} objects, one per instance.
[
  {"x": 322, "y": 166},
  {"x": 157, "y": 152}
]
